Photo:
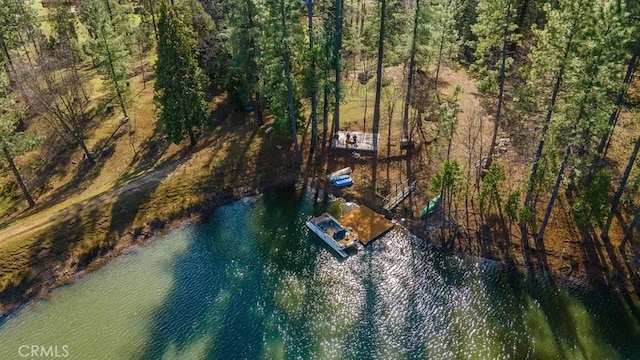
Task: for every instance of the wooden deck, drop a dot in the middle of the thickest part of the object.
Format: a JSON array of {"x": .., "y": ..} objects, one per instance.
[
  {"x": 364, "y": 141},
  {"x": 367, "y": 223}
]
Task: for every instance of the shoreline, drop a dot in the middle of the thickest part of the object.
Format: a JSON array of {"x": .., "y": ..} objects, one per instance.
[
  {"x": 132, "y": 237},
  {"x": 135, "y": 237}
]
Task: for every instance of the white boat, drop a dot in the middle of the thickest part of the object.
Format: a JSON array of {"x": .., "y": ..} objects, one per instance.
[{"x": 333, "y": 233}]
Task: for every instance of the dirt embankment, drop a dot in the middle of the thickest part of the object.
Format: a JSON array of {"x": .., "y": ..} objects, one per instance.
[{"x": 100, "y": 239}]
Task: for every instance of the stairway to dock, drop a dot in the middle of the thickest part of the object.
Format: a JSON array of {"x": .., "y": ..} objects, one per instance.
[{"x": 401, "y": 193}]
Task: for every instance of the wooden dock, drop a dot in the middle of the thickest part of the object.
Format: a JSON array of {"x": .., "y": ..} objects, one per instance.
[
  {"x": 364, "y": 141},
  {"x": 367, "y": 223}
]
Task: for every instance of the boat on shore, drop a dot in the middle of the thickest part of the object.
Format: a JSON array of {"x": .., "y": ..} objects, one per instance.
[
  {"x": 430, "y": 208},
  {"x": 342, "y": 181},
  {"x": 338, "y": 237}
]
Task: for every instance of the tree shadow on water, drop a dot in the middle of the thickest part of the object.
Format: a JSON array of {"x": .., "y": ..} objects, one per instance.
[
  {"x": 223, "y": 299},
  {"x": 206, "y": 291},
  {"x": 367, "y": 331}
]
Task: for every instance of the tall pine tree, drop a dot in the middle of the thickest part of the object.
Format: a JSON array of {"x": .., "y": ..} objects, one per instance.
[
  {"x": 110, "y": 46},
  {"x": 13, "y": 142},
  {"x": 180, "y": 83}
]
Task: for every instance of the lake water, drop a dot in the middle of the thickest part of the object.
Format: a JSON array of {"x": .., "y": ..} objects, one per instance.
[{"x": 251, "y": 282}]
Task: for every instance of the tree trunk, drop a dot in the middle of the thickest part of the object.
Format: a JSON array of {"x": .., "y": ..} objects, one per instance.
[
  {"x": 16, "y": 173},
  {"x": 412, "y": 60},
  {"x": 545, "y": 127},
  {"x": 629, "y": 232},
  {"x": 153, "y": 19},
  {"x": 613, "y": 118},
  {"x": 554, "y": 195},
  {"x": 496, "y": 122},
  {"x": 83, "y": 145},
  {"x": 532, "y": 177},
  {"x": 325, "y": 113},
  {"x": 376, "y": 107},
  {"x": 336, "y": 54},
  {"x": 7, "y": 56},
  {"x": 364, "y": 13},
  {"x": 522, "y": 15},
  {"x": 439, "y": 62},
  {"x": 287, "y": 70},
  {"x": 314, "y": 89},
  {"x": 192, "y": 138},
  {"x": 113, "y": 75},
  {"x": 111, "y": 13},
  {"x": 13, "y": 74},
  {"x": 254, "y": 54},
  {"x": 623, "y": 183}
]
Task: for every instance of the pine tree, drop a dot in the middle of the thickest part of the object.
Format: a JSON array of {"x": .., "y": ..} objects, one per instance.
[
  {"x": 180, "y": 83},
  {"x": 494, "y": 20},
  {"x": 553, "y": 57},
  {"x": 337, "y": 62},
  {"x": 419, "y": 39},
  {"x": 212, "y": 52},
  {"x": 13, "y": 142},
  {"x": 312, "y": 79},
  {"x": 615, "y": 204},
  {"x": 444, "y": 35},
  {"x": 16, "y": 17},
  {"x": 12, "y": 20},
  {"x": 111, "y": 47},
  {"x": 376, "y": 106},
  {"x": 280, "y": 20},
  {"x": 243, "y": 76}
]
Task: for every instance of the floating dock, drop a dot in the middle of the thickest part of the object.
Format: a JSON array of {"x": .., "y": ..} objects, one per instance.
[{"x": 368, "y": 224}]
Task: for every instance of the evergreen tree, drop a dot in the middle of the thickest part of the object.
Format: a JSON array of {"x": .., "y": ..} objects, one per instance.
[
  {"x": 464, "y": 19},
  {"x": 420, "y": 36},
  {"x": 337, "y": 62},
  {"x": 445, "y": 43},
  {"x": 13, "y": 142},
  {"x": 212, "y": 53},
  {"x": 111, "y": 47},
  {"x": 376, "y": 106},
  {"x": 180, "y": 83},
  {"x": 243, "y": 76},
  {"x": 494, "y": 20},
  {"x": 552, "y": 57},
  {"x": 281, "y": 44},
  {"x": 615, "y": 204},
  {"x": 16, "y": 17},
  {"x": 312, "y": 78}
]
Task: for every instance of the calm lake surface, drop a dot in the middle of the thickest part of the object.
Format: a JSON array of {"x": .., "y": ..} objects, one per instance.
[{"x": 251, "y": 282}]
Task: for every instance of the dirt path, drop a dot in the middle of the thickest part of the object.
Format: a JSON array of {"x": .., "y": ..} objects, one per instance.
[{"x": 38, "y": 221}]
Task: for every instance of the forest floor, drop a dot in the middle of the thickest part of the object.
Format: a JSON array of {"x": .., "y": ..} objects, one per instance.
[
  {"x": 141, "y": 185},
  {"x": 564, "y": 255}
]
